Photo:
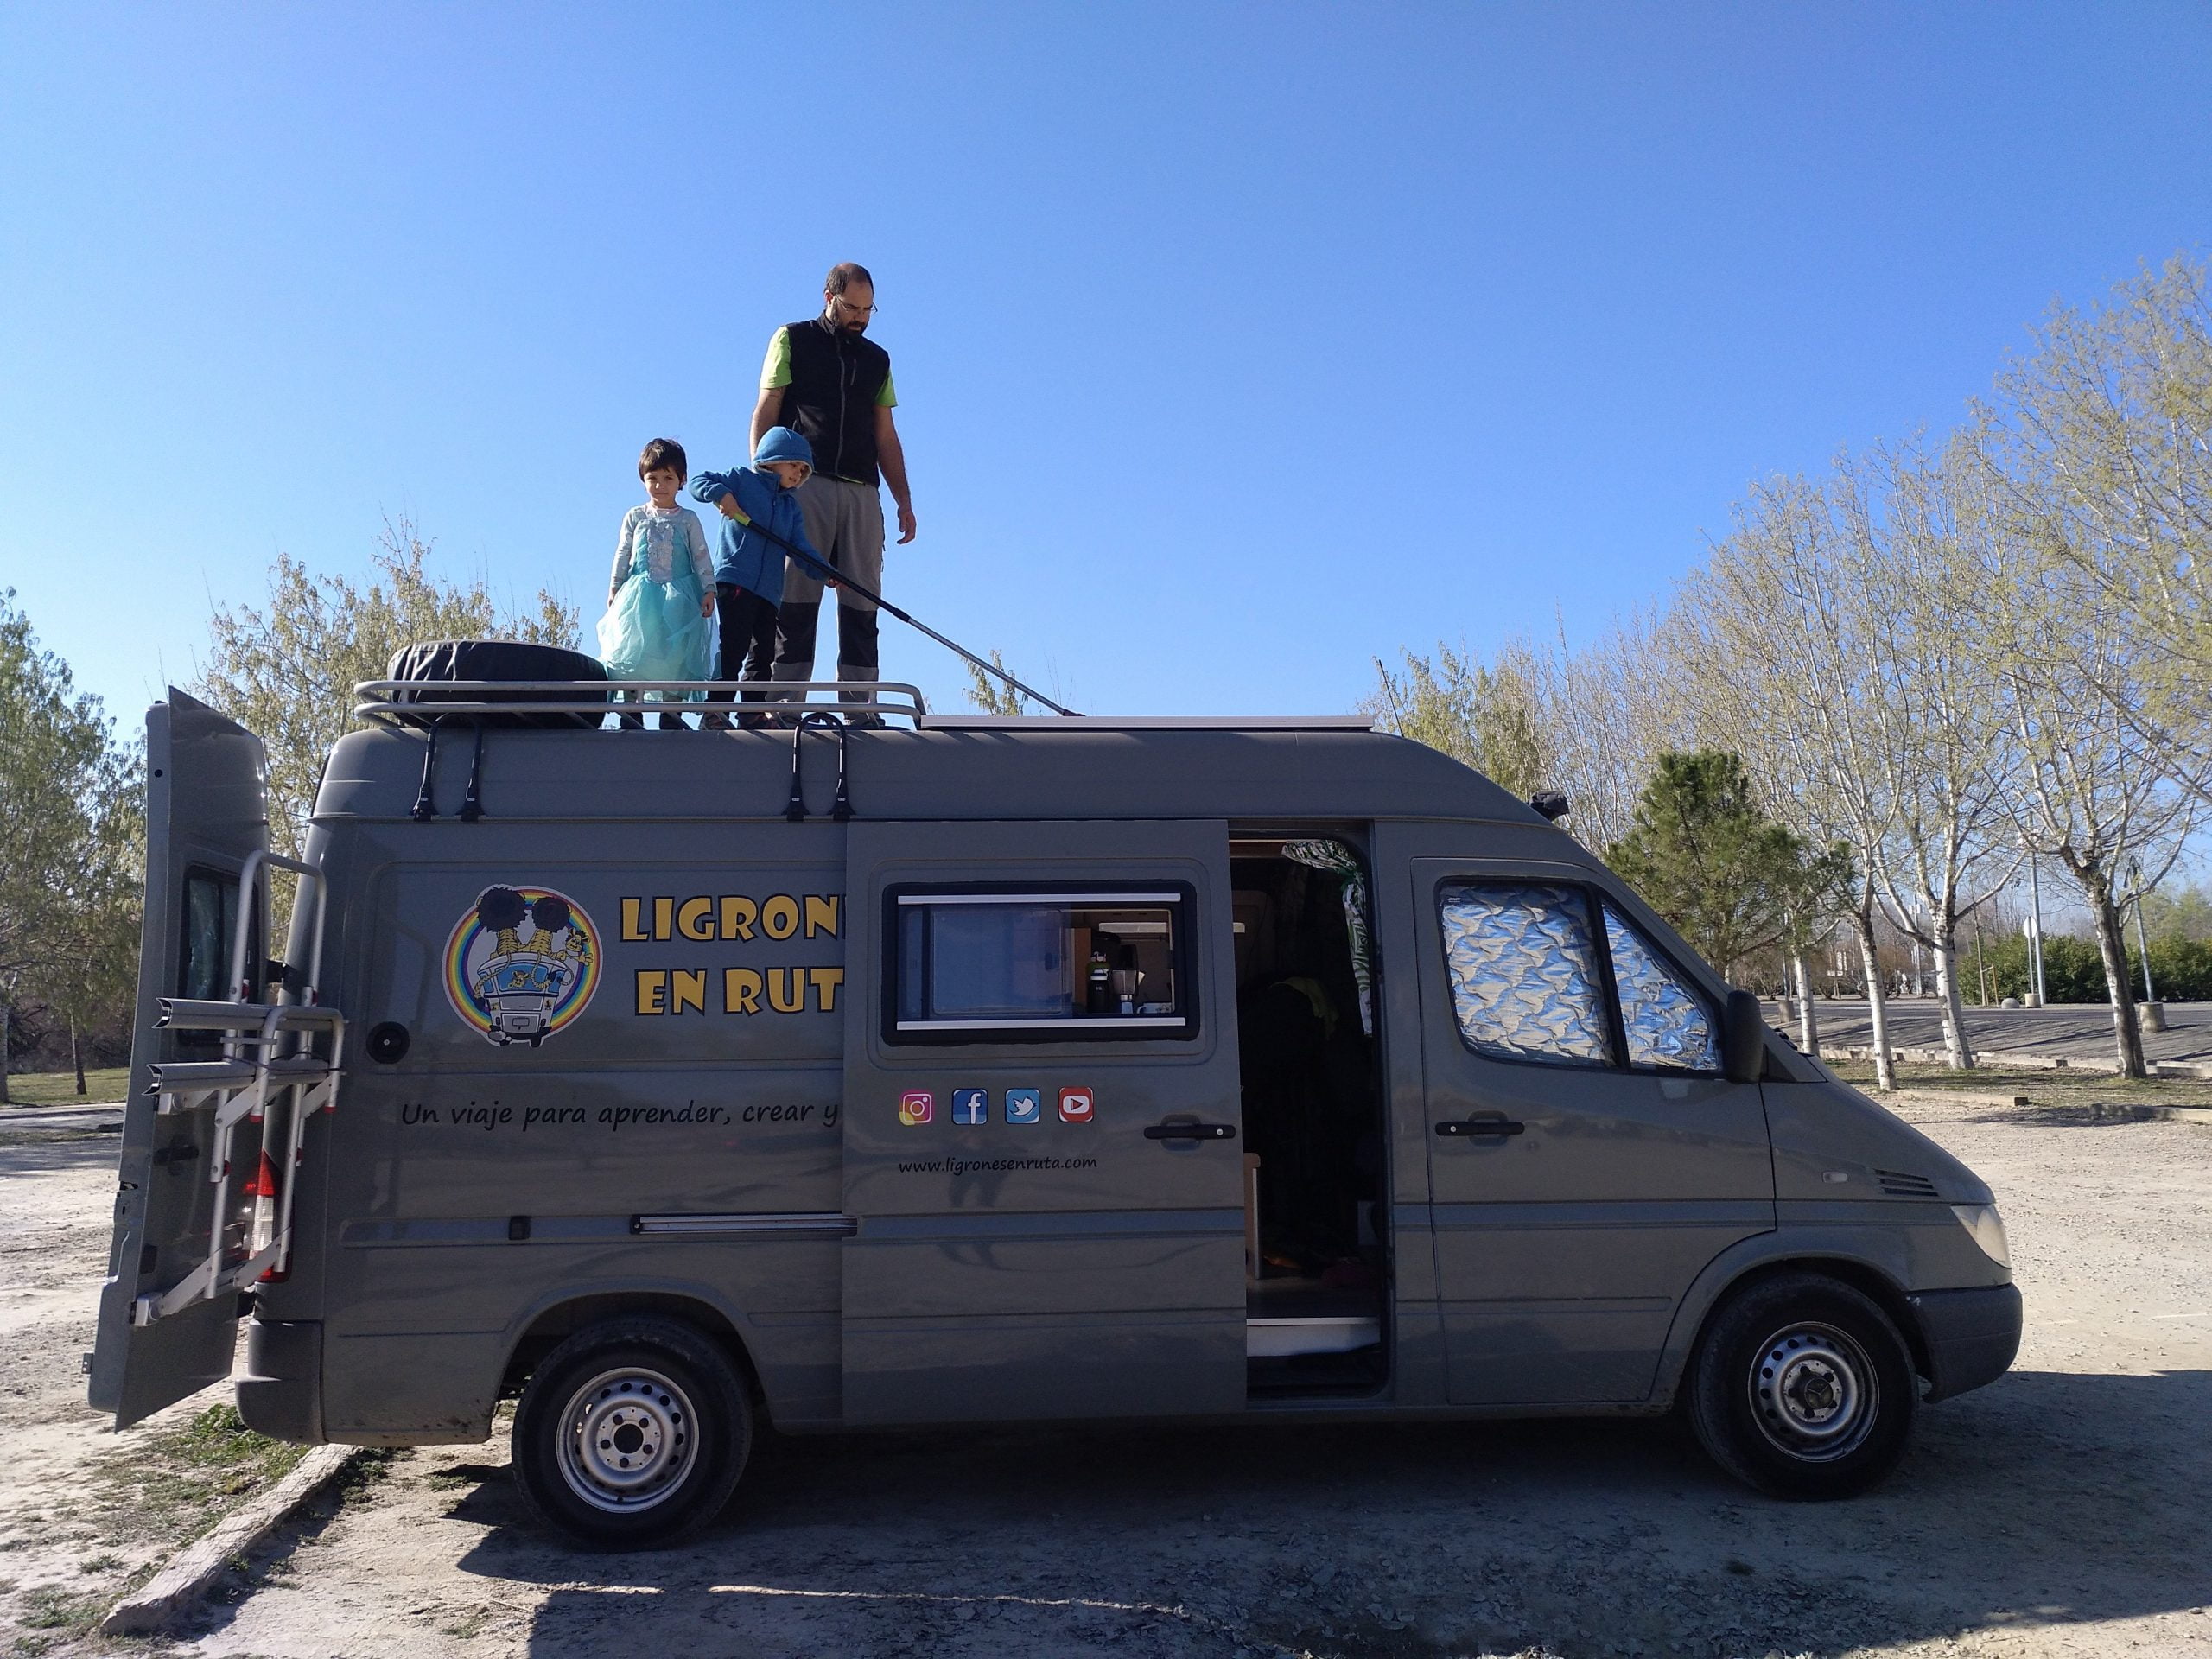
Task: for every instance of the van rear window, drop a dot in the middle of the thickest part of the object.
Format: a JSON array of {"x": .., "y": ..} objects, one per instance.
[
  {"x": 1041, "y": 965},
  {"x": 211, "y": 911}
]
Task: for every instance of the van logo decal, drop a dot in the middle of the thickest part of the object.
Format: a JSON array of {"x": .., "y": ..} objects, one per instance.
[
  {"x": 1025, "y": 1106},
  {"x": 917, "y": 1106},
  {"x": 522, "y": 963}
]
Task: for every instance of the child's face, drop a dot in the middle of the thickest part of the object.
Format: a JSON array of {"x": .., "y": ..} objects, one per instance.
[
  {"x": 661, "y": 485},
  {"x": 789, "y": 473}
]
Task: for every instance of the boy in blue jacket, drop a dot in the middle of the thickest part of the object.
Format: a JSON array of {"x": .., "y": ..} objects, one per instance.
[{"x": 749, "y": 574}]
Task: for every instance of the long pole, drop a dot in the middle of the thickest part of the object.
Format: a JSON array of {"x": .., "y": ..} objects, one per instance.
[
  {"x": 829, "y": 573},
  {"x": 2035, "y": 924}
]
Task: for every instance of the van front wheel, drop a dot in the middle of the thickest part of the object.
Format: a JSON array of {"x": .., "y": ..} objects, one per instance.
[
  {"x": 632, "y": 1432},
  {"x": 1804, "y": 1387}
]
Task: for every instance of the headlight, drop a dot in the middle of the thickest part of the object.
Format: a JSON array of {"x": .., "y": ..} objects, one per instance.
[{"x": 1988, "y": 1229}]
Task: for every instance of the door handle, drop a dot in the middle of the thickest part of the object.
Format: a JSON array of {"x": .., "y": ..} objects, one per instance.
[
  {"x": 1496, "y": 1124},
  {"x": 1189, "y": 1131}
]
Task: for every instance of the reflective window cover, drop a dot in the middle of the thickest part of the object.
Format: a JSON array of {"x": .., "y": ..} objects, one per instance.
[
  {"x": 1524, "y": 973},
  {"x": 1668, "y": 1023}
]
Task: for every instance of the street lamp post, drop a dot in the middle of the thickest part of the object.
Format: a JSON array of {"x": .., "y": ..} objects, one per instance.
[
  {"x": 2035, "y": 932},
  {"x": 2153, "y": 1015}
]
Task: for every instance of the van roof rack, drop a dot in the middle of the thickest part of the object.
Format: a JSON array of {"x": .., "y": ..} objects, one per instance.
[
  {"x": 465, "y": 702},
  {"x": 416, "y": 702},
  {"x": 1147, "y": 722}
]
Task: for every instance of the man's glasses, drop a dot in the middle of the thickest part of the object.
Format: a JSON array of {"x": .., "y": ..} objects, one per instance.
[{"x": 844, "y": 304}]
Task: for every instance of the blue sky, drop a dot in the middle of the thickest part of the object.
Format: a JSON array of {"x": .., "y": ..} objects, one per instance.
[{"x": 1238, "y": 346}]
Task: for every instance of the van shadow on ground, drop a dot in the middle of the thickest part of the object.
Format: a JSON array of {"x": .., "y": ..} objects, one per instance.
[{"x": 2049, "y": 1497}]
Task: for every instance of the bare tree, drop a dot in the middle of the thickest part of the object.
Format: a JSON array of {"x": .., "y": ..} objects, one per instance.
[
  {"x": 1607, "y": 713},
  {"x": 1775, "y": 651},
  {"x": 1942, "y": 743},
  {"x": 2094, "y": 787},
  {"x": 2098, "y": 443}
]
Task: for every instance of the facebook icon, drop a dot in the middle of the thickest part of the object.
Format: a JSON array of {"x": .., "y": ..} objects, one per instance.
[{"x": 969, "y": 1105}]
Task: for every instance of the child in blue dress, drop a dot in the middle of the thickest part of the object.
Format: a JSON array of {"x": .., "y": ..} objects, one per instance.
[{"x": 660, "y": 595}]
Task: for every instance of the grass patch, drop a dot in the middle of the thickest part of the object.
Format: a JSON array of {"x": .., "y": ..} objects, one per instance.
[
  {"x": 175, "y": 1485},
  {"x": 64, "y": 1613},
  {"x": 106, "y": 1084},
  {"x": 2041, "y": 1087}
]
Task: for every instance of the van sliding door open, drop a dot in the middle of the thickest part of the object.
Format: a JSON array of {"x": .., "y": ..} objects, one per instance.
[{"x": 1042, "y": 1134}]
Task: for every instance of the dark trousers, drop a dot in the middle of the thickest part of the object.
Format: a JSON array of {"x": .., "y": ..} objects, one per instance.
[
  {"x": 857, "y": 639},
  {"x": 748, "y": 631}
]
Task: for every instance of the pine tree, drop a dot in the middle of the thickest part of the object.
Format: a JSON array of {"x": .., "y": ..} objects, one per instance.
[{"x": 1729, "y": 877}]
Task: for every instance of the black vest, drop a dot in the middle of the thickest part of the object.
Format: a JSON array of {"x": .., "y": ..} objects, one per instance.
[{"x": 830, "y": 402}]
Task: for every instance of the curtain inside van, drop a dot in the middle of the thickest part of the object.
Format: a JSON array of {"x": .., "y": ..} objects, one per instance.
[{"x": 1342, "y": 862}]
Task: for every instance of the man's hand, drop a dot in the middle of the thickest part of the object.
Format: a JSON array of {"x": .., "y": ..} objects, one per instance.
[
  {"x": 706, "y": 604},
  {"x": 891, "y": 457},
  {"x": 729, "y": 508}
]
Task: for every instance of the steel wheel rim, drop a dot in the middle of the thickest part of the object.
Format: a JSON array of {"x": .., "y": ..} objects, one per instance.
[
  {"x": 1813, "y": 1392},
  {"x": 628, "y": 1438}
]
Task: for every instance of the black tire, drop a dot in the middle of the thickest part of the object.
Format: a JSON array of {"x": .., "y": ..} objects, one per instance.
[
  {"x": 1802, "y": 1387},
  {"x": 674, "y": 1427}
]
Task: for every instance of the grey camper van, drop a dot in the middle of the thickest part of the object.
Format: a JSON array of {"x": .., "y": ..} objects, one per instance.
[{"x": 974, "y": 1069}]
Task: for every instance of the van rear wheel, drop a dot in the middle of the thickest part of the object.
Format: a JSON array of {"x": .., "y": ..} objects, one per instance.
[
  {"x": 1804, "y": 1387},
  {"x": 633, "y": 1432}
]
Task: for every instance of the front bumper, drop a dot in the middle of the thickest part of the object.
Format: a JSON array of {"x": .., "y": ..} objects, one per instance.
[{"x": 1972, "y": 1336}]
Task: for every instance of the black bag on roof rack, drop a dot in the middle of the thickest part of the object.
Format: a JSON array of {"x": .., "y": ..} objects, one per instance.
[{"x": 492, "y": 659}]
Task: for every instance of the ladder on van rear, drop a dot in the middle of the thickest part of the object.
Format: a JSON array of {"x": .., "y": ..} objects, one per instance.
[
  {"x": 270, "y": 1075},
  {"x": 232, "y": 1058}
]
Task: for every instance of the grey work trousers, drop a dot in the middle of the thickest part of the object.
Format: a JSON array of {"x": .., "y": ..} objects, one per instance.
[{"x": 844, "y": 522}]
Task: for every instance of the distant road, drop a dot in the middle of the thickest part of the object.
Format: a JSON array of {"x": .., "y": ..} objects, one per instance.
[{"x": 2078, "y": 1033}]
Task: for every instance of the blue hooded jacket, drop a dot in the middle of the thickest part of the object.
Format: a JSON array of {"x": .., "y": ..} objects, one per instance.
[{"x": 751, "y": 561}]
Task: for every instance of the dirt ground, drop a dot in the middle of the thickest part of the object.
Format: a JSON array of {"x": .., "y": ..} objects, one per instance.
[{"x": 2062, "y": 1511}]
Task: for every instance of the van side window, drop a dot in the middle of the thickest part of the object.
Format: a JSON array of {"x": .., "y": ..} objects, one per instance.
[
  {"x": 1522, "y": 961},
  {"x": 1038, "y": 965},
  {"x": 1667, "y": 1024}
]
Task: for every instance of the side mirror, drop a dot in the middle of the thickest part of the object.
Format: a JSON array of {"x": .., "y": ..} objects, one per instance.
[{"x": 1743, "y": 1039}]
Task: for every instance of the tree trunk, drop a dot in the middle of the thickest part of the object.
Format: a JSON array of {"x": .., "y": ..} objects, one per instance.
[
  {"x": 2127, "y": 1030},
  {"x": 1809, "y": 1023},
  {"x": 1885, "y": 1063},
  {"x": 1957, "y": 1050},
  {"x": 76, "y": 1054},
  {"x": 5, "y": 1010},
  {"x": 1877, "y": 1001}
]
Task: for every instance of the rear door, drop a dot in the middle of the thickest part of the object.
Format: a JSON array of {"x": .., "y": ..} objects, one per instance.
[
  {"x": 206, "y": 811},
  {"x": 1587, "y": 1159},
  {"x": 1047, "y": 1179}
]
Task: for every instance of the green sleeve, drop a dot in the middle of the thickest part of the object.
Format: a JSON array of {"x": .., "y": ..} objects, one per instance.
[
  {"x": 884, "y": 399},
  {"x": 777, "y": 371}
]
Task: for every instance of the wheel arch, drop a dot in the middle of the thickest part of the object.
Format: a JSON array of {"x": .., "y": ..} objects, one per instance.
[
  {"x": 545, "y": 1327},
  {"x": 1859, "y": 1263}
]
